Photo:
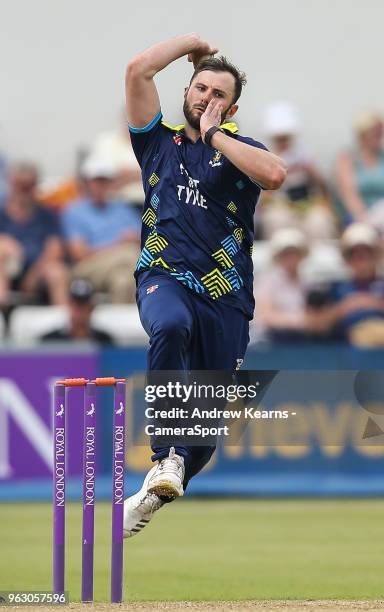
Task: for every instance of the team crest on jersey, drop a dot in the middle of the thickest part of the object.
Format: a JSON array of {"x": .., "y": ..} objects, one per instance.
[
  {"x": 177, "y": 139},
  {"x": 216, "y": 160},
  {"x": 152, "y": 289}
]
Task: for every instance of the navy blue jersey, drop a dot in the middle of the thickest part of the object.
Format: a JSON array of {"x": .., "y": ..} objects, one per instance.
[{"x": 198, "y": 214}]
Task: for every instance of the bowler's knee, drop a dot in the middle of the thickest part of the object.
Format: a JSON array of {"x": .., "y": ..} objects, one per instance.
[{"x": 177, "y": 328}]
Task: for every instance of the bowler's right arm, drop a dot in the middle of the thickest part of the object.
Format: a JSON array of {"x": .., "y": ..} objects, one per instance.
[{"x": 142, "y": 98}]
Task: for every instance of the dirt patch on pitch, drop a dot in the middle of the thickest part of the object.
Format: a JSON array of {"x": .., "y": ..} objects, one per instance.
[{"x": 215, "y": 606}]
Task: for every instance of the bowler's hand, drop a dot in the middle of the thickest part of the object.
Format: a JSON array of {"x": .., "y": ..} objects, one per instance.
[
  {"x": 202, "y": 50},
  {"x": 211, "y": 117}
]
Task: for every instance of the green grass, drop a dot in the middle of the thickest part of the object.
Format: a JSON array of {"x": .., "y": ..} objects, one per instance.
[{"x": 212, "y": 550}]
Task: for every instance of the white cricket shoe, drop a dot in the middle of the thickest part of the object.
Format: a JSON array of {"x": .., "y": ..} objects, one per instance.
[
  {"x": 167, "y": 479},
  {"x": 140, "y": 508}
]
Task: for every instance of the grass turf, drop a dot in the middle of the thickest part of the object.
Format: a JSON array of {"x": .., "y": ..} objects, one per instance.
[{"x": 212, "y": 550}]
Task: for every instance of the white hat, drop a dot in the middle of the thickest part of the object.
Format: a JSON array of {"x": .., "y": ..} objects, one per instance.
[
  {"x": 359, "y": 234},
  {"x": 281, "y": 119},
  {"x": 288, "y": 238},
  {"x": 98, "y": 167}
]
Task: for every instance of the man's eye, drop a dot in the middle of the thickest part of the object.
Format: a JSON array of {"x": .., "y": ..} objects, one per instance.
[{"x": 219, "y": 95}]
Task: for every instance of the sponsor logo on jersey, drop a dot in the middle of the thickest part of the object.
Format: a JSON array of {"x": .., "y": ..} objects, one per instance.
[
  {"x": 190, "y": 194},
  {"x": 152, "y": 289}
]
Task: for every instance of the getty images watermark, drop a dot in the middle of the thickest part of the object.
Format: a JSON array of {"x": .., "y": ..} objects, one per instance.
[{"x": 175, "y": 410}]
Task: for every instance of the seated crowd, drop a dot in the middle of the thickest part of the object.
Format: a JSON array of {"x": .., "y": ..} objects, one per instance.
[
  {"x": 79, "y": 241},
  {"x": 349, "y": 309}
]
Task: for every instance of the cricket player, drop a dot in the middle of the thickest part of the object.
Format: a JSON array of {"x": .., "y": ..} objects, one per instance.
[{"x": 194, "y": 276}]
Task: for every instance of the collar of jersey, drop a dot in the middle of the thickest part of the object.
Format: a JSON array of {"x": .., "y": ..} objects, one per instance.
[{"x": 229, "y": 127}]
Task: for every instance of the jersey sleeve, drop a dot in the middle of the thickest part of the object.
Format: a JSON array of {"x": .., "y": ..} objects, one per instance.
[
  {"x": 258, "y": 145},
  {"x": 145, "y": 140},
  {"x": 252, "y": 142}
]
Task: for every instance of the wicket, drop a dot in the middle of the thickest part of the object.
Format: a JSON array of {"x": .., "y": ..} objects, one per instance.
[{"x": 89, "y": 481}]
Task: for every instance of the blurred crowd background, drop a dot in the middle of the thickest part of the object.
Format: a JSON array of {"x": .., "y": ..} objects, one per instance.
[
  {"x": 73, "y": 242},
  {"x": 70, "y": 187},
  {"x": 70, "y": 213}
]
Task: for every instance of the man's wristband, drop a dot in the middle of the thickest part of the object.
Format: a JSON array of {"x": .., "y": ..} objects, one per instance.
[{"x": 210, "y": 133}]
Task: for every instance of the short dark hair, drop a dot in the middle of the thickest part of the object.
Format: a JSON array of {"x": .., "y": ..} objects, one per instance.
[{"x": 221, "y": 64}]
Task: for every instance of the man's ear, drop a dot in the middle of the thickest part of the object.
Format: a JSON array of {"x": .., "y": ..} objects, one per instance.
[
  {"x": 232, "y": 110},
  {"x": 185, "y": 92}
]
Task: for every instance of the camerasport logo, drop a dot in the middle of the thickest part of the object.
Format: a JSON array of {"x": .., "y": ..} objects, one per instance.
[{"x": 152, "y": 289}]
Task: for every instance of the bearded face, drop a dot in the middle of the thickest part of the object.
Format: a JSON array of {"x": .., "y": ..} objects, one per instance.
[
  {"x": 205, "y": 86},
  {"x": 192, "y": 113}
]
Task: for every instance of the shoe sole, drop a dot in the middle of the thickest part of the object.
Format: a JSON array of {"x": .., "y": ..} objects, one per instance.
[{"x": 164, "y": 487}]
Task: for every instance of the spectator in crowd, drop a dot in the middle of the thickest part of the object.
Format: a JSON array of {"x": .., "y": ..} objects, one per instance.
[
  {"x": 31, "y": 250},
  {"x": 302, "y": 201},
  {"x": 103, "y": 234},
  {"x": 280, "y": 292},
  {"x": 115, "y": 146},
  {"x": 80, "y": 308},
  {"x": 115, "y": 149},
  {"x": 354, "y": 308},
  {"x": 360, "y": 173},
  {"x": 56, "y": 194}
]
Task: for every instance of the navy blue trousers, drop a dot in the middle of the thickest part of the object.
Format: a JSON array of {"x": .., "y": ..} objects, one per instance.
[{"x": 186, "y": 332}]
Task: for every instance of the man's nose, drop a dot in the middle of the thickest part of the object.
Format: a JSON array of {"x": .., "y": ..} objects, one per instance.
[{"x": 206, "y": 97}]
